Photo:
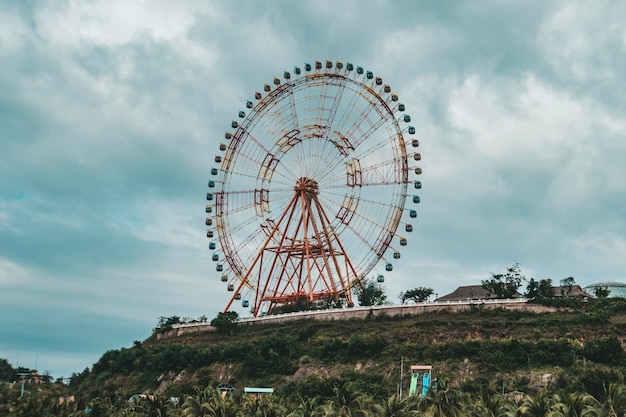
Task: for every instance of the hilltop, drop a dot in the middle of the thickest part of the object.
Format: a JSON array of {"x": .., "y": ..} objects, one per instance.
[{"x": 576, "y": 347}]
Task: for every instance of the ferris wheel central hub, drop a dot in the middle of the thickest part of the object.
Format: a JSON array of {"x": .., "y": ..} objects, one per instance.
[{"x": 308, "y": 186}]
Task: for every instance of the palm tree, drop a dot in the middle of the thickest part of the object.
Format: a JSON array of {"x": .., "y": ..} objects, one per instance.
[
  {"x": 192, "y": 407},
  {"x": 151, "y": 405},
  {"x": 615, "y": 403},
  {"x": 271, "y": 406},
  {"x": 193, "y": 404},
  {"x": 491, "y": 404},
  {"x": 306, "y": 408},
  {"x": 328, "y": 409},
  {"x": 351, "y": 403},
  {"x": 222, "y": 407},
  {"x": 581, "y": 405},
  {"x": 443, "y": 402},
  {"x": 544, "y": 404},
  {"x": 395, "y": 406},
  {"x": 209, "y": 402}
]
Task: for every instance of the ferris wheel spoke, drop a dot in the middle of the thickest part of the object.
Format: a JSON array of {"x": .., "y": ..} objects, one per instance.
[
  {"x": 374, "y": 151},
  {"x": 266, "y": 162},
  {"x": 371, "y": 125},
  {"x": 336, "y": 99},
  {"x": 352, "y": 113},
  {"x": 277, "y": 96},
  {"x": 347, "y": 212}
]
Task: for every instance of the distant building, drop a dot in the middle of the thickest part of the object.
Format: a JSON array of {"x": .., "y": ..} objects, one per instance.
[
  {"x": 575, "y": 291},
  {"x": 34, "y": 377},
  {"x": 256, "y": 392},
  {"x": 470, "y": 292},
  {"x": 477, "y": 292},
  {"x": 616, "y": 289}
]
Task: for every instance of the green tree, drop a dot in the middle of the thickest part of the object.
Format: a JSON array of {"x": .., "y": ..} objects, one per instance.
[
  {"x": 615, "y": 403},
  {"x": 545, "y": 288},
  {"x": 532, "y": 289},
  {"x": 348, "y": 402},
  {"x": 601, "y": 292},
  {"x": 208, "y": 402},
  {"x": 490, "y": 404},
  {"x": 152, "y": 405},
  {"x": 261, "y": 406},
  {"x": 370, "y": 293},
  {"x": 395, "y": 406},
  {"x": 505, "y": 285},
  {"x": 305, "y": 407},
  {"x": 301, "y": 304},
  {"x": 7, "y": 373},
  {"x": 225, "y": 322},
  {"x": 328, "y": 302},
  {"x": 606, "y": 349},
  {"x": 544, "y": 404},
  {"x": 566, "y": 286},
  {"x": 581, "y": 405},
  {"x": 443, "y": 402},
  {"x": 168, "y": 321},
  {"x": 419, "y": 295}
]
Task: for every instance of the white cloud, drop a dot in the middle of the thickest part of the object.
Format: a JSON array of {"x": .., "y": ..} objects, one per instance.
[
  {"x": 12, "y": 273},
  {"x": 111, "y": 23},
  {"x": 582, "y": 40}
]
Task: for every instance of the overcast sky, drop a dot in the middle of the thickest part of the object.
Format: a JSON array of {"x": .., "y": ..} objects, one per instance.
[{"x": 111, "y": 112}]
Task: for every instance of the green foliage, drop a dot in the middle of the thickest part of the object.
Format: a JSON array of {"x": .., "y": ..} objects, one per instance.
[
  {"x": 539, "y": 289},
  {"x": 370, "y": 293},
  {"x": 312, "y": 358},
  {"x": 225, "y": 322},
  {"x": 312, "y": 387},
  {"x": 77, "y": 379},
  {"x": 301, "y": 304},
  {"x": 165, "y": 323},
  {"x": 505, "y": 285},
  {"x": 606, "y": 350},
  {"x": 419, "y": 295},
  {"x": 7, "y": 373},
  {"x": 327, "y": 302},
  {"x": 532, "y": 289},
  {"x": 566, "y": 286},
  {"x": 601, "y": 292},
  {"x": 593, "y": 381},
  {"x": 274, "y": 355},
  {"x": 355, "y": 348},
  {"x": 545, "y": 288}
]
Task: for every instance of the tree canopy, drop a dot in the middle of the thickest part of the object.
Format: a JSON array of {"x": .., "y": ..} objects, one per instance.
[
  {"x": 505, "y": 285},
  {"x": 225, "y": 322},
  {"x": 419, "y": 295},
  {"x": 370, "y": 293}
]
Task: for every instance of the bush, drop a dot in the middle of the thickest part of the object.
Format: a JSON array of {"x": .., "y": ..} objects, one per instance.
[{"x": 607, "y": 350}]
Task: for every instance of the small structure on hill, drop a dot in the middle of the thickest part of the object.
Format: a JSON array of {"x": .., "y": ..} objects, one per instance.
[
  {"x": 573, "y": 291},
  {"x": 420, "y": 380},
  {"x": 258, "y": 392},
  {"x": 469, "y": 292},
  {"x": 615, "y": 288},
  {"x": 477, "y": 292},
  {"x": 225, "y": 390}
]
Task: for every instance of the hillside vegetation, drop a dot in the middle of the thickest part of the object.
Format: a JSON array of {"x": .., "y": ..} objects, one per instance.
[
  {"x": 481, "y": 358},
  {"x": 576, "y": 349}
]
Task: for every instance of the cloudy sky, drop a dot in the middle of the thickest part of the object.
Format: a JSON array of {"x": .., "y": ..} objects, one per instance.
[{"x": 111, "y": 112}]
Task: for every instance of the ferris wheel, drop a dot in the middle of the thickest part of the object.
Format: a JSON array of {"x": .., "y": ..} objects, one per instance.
[{"x": 308, "y": 192}]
